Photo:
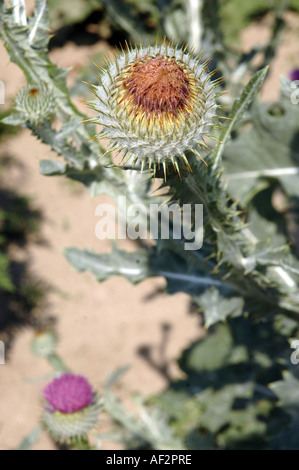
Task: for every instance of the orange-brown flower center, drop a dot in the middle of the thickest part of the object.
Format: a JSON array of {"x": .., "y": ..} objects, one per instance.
[
  {"x": 158, "y": 85},
  {"x": 34, "y": 91}
]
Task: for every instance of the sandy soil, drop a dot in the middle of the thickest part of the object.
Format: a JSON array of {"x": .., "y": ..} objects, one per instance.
[{"x": 100, "y": 326}]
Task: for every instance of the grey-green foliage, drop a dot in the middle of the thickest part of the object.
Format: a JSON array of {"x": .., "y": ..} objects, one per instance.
[
  {"x": 30, "y": 439},
  {"x": 226, "y": 390},
  {"x": 148, "y": 428},
  {"x": 267, "y": 153},
  {"x": 240, "y": 276}
]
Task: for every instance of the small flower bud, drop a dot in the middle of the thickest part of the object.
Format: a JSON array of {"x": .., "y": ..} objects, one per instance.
[
  {"x": 44, "y": 343},
  {"x": 35, "y": 103}
]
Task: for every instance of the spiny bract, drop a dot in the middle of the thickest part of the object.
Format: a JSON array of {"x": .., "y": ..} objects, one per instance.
[{"x": 155, "y": 104}]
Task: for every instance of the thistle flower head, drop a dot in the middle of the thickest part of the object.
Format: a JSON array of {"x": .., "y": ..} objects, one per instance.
[
  {"x": 35, "y": 102},
  {"x": 68, "y": 393},
  {"x": 294, "y": 74},
  {"x": 155, "y": 104},
  {"x": 71, "y": 407}
]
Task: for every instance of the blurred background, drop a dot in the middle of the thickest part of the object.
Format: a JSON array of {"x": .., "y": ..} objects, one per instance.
[{"x": 100, "y": 326}]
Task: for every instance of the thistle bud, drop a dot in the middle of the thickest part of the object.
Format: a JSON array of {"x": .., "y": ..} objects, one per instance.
[
  {"x": 155, "y": 105},
  {"x": 35, "y": 103},
  {"x": 44, "y": 343}
]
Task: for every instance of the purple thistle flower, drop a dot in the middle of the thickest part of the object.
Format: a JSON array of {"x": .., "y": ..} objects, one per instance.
[
  {"x": 294, "y": 74},
  {"x": 68, "y": 393}
]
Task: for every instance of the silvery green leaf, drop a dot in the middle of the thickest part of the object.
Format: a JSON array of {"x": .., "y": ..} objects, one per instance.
[
  {"x": 133, "y": 266},
  {"x": 51, "y": 167},
  {"x": 287, "y": 391},
  {"x": 14, "y": 119},
  {"x": 149, "y": 426},
  {"x": 216, "y": 308},
  {"x": 30, "y": 439},
  {"x": 116, "y": 375},
  {"x": 267, "y": 153},
  {"x": 139, "y": 265},
  {"x": 210, "y": 353},
  {"x": 239, "y": 107}
]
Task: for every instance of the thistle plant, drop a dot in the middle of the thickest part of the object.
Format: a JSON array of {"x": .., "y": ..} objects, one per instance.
[{"x": 158, "y": 107}]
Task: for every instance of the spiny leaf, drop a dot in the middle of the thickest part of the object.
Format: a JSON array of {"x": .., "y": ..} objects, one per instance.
[
  {"x": 287, "y": 391},
  {"x": 239, "y": 107},
  {"x": 132, "y": 266},
  {"x": 139, "y": 265},
  {"x": 216, "y": 308},
  {"x": 51, "y": 167},
  {"x": 30, "y": 439},
  {"x": 266, "y": 154}
]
